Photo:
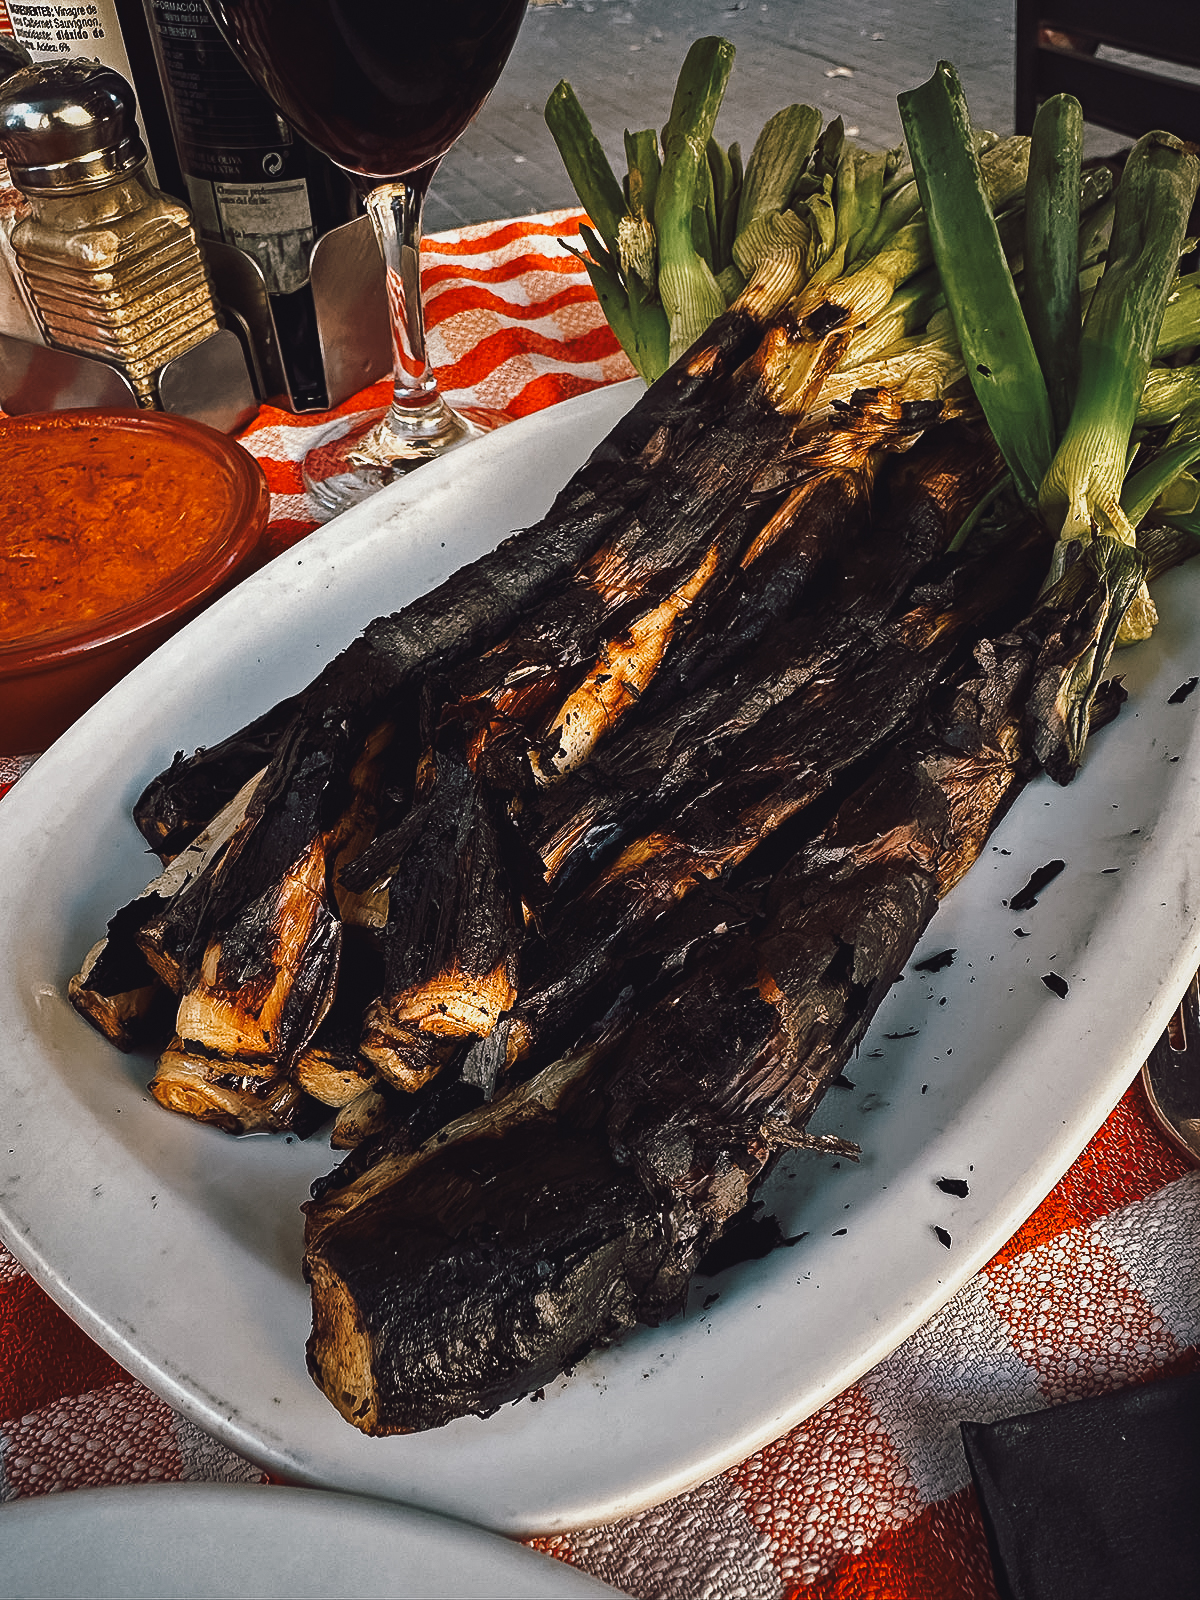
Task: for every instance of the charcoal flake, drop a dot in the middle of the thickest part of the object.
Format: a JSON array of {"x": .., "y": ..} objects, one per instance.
[
  {"x": 936, "y": 963},
  {"x": 1025, "y": 899},
  {"x": 954, "y": 1186}
]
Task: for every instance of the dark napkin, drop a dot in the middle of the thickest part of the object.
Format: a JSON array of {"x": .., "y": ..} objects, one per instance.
[{"x": 1097, "y": 1499}]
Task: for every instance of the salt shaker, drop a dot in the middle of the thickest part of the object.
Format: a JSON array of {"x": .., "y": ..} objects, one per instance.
[{"x": 112, "y": 266}]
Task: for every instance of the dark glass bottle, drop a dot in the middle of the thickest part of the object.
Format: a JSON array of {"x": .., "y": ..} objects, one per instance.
[{"x": 250, "y": 179}]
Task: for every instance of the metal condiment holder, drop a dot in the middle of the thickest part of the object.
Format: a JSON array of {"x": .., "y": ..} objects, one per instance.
[
  {"x": 225, "y": 373},
  {"x": 223, "y": 380},
  {"x": 209, "y": 383},
  {"x": 349, "y": 287}
]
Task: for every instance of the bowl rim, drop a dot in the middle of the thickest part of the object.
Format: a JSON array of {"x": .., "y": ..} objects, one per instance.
[{"x": 186, "y": 586}]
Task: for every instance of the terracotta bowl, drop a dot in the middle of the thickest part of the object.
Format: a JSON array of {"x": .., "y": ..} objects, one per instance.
[{"x": 116, "y": 527}]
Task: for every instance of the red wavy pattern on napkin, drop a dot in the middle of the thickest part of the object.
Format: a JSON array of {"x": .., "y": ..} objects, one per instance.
[
  {"x": 512, "y": 324},
  {"x": 495, "y": 239},
  {"x": 488, "y": 353},
  {"x": 509, "y": 271},
  {"x": 473, "y": 298},
  {"x": 509, "y": 345}
]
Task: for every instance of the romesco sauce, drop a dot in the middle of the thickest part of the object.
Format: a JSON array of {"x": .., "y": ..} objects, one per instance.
[{"x": 102, "y": 513}]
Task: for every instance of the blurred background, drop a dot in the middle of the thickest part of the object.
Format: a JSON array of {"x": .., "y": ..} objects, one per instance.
[{"x": 623, "y": 56}]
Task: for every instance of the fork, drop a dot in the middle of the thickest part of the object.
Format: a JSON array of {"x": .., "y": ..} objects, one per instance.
[{"x": 1171, "y": 1075}]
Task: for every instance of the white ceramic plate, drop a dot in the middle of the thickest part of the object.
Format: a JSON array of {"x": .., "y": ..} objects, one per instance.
[
  {"x": 207, "y": 1541},
  {"x": 178, "y": 1248}
]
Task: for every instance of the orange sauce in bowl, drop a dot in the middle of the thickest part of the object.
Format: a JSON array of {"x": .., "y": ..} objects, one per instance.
[{"x": 101, "y": 513}]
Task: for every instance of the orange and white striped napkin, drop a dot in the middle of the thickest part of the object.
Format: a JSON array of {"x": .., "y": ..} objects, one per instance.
[{"x": 511, "y": 324}]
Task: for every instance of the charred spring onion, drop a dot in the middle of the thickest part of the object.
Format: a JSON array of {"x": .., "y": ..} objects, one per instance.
[
  {"x": 1081, "y": 492},
  {"x": 572, "y": 886}
]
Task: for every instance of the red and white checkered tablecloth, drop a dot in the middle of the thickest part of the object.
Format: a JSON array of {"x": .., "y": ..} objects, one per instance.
[{"x": 870, "y": 1496}]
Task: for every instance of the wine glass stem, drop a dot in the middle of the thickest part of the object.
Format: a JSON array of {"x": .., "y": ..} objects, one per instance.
[
  {"x": 395, "y": 210},
  {"x": 418, "y": 426}
]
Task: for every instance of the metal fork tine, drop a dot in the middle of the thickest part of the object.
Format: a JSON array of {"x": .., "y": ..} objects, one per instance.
[{"x": 1171, "y": 1075}]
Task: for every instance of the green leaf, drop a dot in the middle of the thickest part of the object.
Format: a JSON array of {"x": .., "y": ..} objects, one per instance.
[
  {"x": 587, "y": 166},
  {"x": 997, "y": 349},
  {"x": 781, "y": 153},
  {"x": 686, "y": 283},
  {"x": 1051, "y": 286}
]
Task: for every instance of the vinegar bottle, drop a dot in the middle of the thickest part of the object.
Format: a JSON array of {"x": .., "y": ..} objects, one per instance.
[
  {"x": 17, "y": 315},
  {"x": 94, "y": 30}
]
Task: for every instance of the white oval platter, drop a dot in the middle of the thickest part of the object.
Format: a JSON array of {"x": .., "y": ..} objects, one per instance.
[{"x": 179, "y": 1249}]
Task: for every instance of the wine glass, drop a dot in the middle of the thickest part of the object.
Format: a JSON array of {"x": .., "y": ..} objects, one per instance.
[{"x": 383, "y": 88}]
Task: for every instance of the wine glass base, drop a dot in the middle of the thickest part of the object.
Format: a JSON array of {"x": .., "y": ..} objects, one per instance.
[{"x": 350, "y": 468}]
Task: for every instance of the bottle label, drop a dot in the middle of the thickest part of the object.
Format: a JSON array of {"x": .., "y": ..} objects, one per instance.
[
  {"x": 67, "y": 28},
  {"x": 271, "y": 222},
  {"x": 225, "y": 126}
]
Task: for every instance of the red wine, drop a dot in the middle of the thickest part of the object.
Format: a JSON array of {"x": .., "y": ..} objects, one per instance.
[{"x": 382, "y": 87}]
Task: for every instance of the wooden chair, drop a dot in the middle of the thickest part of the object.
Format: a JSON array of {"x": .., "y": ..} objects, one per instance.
[{"x": 1128, "y": 100}]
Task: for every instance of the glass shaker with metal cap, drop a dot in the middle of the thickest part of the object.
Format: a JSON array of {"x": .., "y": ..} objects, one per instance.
[{"x": 112, "y": 265}]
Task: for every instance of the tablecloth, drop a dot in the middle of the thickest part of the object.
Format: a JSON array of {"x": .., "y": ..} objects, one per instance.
[{"x": 870, "y": 1496}]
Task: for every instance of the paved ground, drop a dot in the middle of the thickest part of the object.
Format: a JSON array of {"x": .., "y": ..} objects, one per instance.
[{"x": 623, "y": 56}]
